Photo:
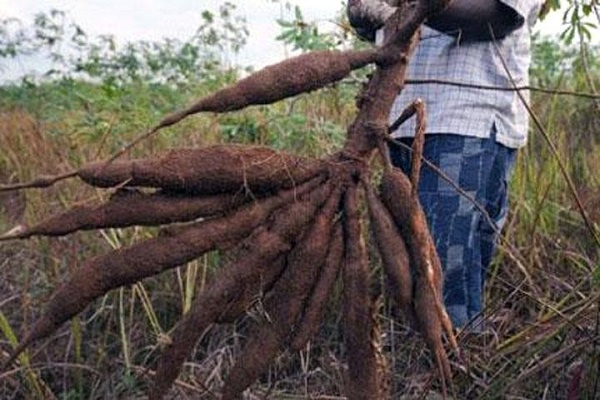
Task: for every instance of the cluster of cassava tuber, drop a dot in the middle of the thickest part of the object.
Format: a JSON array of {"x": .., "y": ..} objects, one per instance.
[{"x": 292, "y": 225}]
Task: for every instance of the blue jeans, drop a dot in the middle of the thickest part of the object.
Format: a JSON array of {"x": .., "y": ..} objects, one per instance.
[{"x": 464, "y": 239}]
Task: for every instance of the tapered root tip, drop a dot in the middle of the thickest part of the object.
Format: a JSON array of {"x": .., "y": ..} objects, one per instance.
[
  {"x": 447, "y": 324},
  {"x": 15, "y": 233},
  {"x": 41, "y": 329},
  {"x": 40, "y": 182},
  {"x": 14, "y": 355}
]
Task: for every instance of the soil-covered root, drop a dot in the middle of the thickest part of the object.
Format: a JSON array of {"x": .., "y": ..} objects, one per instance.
[
  {"x": 129, "y": 207},
  {"x": 428, "y": 303},
  {"x": 430, "y": 323},
  {"x": 253, "y": 293},
  {"x": 431, "y": 318},
  {"x": 363, "y": 378},
  {"x": 132, "y": 264},
  {"x": 301, "y": 74},
  {"x": 396, "y": 195},
  {"x": 283, "y": 307},
  {"x": 402, "y": 201},
  {"x": 314, "y": 312},
  {"x": 393, "y": 252},
  {"x": 402, "y": 196},
  {"x": 436, "y": 276},
  {"x": 237, "y": 283},
  {"x": 310, "y": 71},
  {"x": 206, "y": 170}
]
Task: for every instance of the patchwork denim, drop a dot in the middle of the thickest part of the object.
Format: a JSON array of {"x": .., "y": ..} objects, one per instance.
[{"x": 464, "y": 239}]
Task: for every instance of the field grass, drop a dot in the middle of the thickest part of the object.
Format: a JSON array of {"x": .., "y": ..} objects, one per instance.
[{"x": 543, "y": 294}]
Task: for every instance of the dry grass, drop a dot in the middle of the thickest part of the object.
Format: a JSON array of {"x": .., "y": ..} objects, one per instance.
[{"x": 543, "y": 339}]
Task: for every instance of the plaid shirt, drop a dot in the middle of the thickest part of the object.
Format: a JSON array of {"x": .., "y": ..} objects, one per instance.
[{"x": 469, "y": 111}]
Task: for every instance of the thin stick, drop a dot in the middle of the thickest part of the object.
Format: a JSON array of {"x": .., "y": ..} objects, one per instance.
[
  {"x": 556, "y": 92},
  {"x": 540, "y": 127},
  {"x": 144, "y": 136},
  {"x": 418, "y": 144},
  {"x": 404, "y": 116},
  {"x": 515, "y": 88}
]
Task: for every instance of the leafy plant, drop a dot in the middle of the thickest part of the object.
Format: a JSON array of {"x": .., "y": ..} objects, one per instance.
[{"x": 74, "y": 54}]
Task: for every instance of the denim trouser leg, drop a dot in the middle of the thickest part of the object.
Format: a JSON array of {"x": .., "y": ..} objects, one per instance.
[{"x": 464, "y": 239}]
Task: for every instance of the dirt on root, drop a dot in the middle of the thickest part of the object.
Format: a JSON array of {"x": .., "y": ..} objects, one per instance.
[{"x": 207, "y": 170}]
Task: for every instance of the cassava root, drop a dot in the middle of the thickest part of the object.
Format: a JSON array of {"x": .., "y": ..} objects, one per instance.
[
  {"x": 129, "y": 265},
  {"x": 316, "y": 305},
  {"x": 206, "y": 170},
  {"x": 430, "y": 317},
  {"x": 273, "y": 83},
  {"x": 286, "y": 302},
  {"x": 362, "y": 381},
  {"x": 393, "y": 252},
  {"x": 234, "y": 281},
  {"x": 128, "y": 207}
]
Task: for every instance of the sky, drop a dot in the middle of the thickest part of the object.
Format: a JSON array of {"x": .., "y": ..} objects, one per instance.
[{"x": 130, "y": 20}]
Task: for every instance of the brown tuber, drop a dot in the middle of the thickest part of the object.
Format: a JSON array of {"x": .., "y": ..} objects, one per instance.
[
  {"x": 283, "y": 307},
  {"x": 430, "y": 315},
  {"x": 362, "y": 382},
  {"x": 129, "y": 265},
  {"x": 393, "y": 252},
  {"x": 206, "y": 170},
  {"x": 129, "y": 207},
  {"x": 239, "y": 277},
  {"x": 311, "y": 71},
  {"x": 315, "y": 306}
]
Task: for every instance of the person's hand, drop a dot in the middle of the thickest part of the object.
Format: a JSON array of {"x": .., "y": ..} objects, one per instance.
[{"x": 367, "y": 16}]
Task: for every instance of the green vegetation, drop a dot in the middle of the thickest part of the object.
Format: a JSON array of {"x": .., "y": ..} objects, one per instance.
[{"x": 544, "y": 288}]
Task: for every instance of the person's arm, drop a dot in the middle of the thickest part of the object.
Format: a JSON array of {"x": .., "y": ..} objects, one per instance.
[
  {"x": 467, "y": 19},
  {"x": 471, "y": 19}
]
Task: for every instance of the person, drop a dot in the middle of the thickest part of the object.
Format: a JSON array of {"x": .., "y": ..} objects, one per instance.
[{"x": 472, "y": 134}]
